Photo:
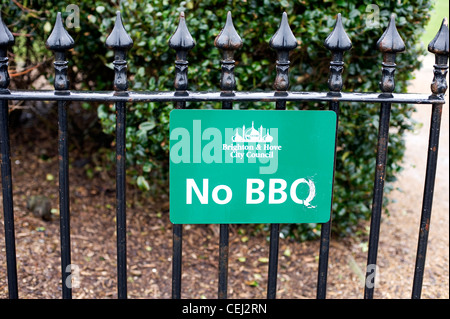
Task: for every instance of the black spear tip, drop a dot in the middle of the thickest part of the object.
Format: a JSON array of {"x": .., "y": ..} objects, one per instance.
[
  {"x": 6, "y": 37},
  {"x": 338, "y": 39},
  {"x": 390, "y": 41},
  {"x": 228, "y": 38},
  {"x": 181, "y": 39},
  {"x": 119, "y": 38},
  {"x": 59, "y": 39},
  {"x": 283, "y": 39},
  {"x": 439, "y": 45}
]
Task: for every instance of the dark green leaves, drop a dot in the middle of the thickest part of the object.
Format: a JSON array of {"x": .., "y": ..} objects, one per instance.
[{"x": 151, "y": 67}]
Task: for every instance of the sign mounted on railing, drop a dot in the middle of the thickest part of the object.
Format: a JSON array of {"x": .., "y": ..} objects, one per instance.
[{"x": 251, "y": 166}]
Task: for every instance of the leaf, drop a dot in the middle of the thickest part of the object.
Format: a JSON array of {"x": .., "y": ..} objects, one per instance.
[
  {"x": 142, "y": 183},
  {"x": 147, "y": 167},
  {"x": 244, "y": 239},
  {"x": 47, "y": 27},
  {"x": 147, "y": 126},
  {"x": 100, "y": 9},
  {"x": 252, "y": 283},
  {"x": 345, "y": 155},
  {"x": 263, "y": 259}
]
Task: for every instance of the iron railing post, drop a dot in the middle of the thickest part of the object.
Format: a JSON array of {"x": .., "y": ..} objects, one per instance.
[
  {"x": 282, "y": 41},
  {"x": 390, "y": 44},
  {"x": 228, "y": 41},
  {"x": 59, "y": 41},
  {"x": 438, "y": 46},
  {"x": 337, "y": 42},
  {"x": 120, "y": 42},
  {"x": 7, "y": 40},
  {"x": 181, "y": 41}
]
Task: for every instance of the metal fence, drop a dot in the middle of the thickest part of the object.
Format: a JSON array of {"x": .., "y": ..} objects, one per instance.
[{"x": 228, "y": 41}]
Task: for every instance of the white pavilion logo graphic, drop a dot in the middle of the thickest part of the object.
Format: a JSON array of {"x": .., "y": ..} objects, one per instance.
[{"x": 252, "y": 135}]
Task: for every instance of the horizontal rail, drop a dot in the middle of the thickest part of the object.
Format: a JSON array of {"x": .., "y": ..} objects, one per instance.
[{"x": 188, "y": 96}]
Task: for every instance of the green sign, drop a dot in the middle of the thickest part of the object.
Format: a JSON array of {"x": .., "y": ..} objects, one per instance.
[{"x": 251, "y": 166}]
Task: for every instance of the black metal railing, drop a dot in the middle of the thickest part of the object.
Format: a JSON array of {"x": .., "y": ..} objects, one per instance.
[{"x": 228, "y": 41}]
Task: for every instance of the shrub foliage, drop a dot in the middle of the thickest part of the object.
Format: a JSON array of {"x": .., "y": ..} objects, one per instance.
[{"x": 151, "y": 67}]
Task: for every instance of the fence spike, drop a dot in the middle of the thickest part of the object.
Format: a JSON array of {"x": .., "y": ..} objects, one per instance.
[
  {"x": 439, "y": 46},
  {"x": 390, "y": 44},
  {"x": 59, "y": 39},
  {"x": 181, "y": 41},
  {"x": 390, "y": 41},
  {"x": 119, "y": 38},
  {"x": 228, "y": 40},
  {"x": 283, "y": 41},
  {"x": 120, "y": 42},
  {"x": 6, "y": 40},
  {"x": 337, "y": 42},
  {"x": 338, "y": 39},
  {"x": 6, "y": 37}
]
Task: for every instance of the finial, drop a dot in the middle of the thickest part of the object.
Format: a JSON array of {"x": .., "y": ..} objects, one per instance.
[
  {"x": 181, "y": 41},
  {"x": 228, "y": 39},
  {"x": 391, "y": 41},
  {"x": 338, "y": 39},
  {"x": 390, "y": 44},
  {"x": 337, "y": 42},
  {"x": 439, "y": 46},
  {"x": 283, "y": 41},
  {"x": 120, "y": 42},
  {"x": 6, "y": 37},
  {"x": 119, "y": 38},
  {"x": 59, "y": 39},
  {"x": 6, "y": 40}
]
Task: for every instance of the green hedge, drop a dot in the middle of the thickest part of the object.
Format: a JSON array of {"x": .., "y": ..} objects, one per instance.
[{"x": 151, "y": 67}]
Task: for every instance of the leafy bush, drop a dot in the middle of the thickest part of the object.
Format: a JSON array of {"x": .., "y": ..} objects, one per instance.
[
  {"x": 151, "y": 67},
  {"x": 32, "y": 21}
]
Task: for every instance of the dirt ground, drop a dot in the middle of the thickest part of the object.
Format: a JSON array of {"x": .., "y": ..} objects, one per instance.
[{"x": 149, "y": 240}]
